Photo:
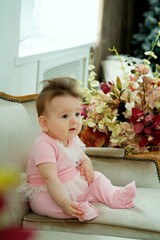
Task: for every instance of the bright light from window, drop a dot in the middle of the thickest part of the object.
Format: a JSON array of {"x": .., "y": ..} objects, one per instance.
[{"x": 59, "y": 24}]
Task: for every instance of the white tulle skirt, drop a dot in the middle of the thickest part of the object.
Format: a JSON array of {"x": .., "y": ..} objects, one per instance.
[{"x": 74, "y": 187}]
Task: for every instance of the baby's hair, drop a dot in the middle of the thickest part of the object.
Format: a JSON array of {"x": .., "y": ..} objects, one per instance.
[{"x": 59, "y": 86}]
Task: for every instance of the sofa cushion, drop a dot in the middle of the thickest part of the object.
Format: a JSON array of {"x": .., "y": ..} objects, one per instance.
[
  {"x": 122, "y": 170},
  {"x": 17, "y": 134},
  {"x": 49, "y": 235},
  {"x": 142, "y": 221}
]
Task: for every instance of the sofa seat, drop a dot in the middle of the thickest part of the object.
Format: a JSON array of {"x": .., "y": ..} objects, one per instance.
[
  {"x": 49, "y": 235},
  {"x": 137, "y": 222}
]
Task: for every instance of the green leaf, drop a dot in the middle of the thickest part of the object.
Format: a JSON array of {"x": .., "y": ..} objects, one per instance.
[{"x": 119, "y": 84}]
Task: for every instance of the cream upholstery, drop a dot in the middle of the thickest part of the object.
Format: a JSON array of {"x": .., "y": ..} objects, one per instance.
[
  {"x": 19, "y": 127},
  {"x": 48, "y": 235}
]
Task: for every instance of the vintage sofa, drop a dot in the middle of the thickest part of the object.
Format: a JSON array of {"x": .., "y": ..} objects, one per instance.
[{"x": 18, "y": 129}]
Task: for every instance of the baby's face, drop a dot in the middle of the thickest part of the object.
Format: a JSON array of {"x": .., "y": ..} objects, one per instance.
[{"x": 64, "y": 118}]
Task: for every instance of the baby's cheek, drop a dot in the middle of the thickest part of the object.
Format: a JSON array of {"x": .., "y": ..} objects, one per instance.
[{"x": 79, "y": 129}]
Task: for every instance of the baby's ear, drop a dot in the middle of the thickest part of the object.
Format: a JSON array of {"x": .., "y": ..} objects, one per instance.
[{"x": 43, "y": 123}]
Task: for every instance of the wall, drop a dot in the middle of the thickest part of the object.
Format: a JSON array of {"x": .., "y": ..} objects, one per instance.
[{"x": 9, "y": 25}]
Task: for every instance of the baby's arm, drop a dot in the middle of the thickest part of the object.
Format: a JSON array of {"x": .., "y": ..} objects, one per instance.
[
  {"x": 86, "y": 169},
  {"x": 57, "y": 191}
]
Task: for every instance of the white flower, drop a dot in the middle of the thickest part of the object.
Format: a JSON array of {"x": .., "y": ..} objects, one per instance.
[
  {"x": 135, "y": 85},
  {"x": 146, "y": 61},
  {"x": 158, "y": 43},
  {"x": 91, "y": 124},
  {"x": 101, "y": 126},
  {"x": 95, "y": 84},
  {"x": 91, "y": 67},
  {"x": 99, "y": 109},
  {"x": 157, "y": 104},
  {"x": 129, "y": 105},
  {"x": 150, "y": 53},
  {"x": 116, "y": 130}
]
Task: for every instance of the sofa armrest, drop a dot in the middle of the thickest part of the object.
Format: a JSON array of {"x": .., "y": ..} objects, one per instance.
[
  {"x": 105, "y": 151},
  {"x": 123, "y": 169}
]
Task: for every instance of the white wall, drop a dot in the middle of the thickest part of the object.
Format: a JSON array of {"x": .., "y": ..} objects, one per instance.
[{"x": 9, "y": 41}]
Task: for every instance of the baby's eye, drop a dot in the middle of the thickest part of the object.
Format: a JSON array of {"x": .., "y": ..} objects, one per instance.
[
  {"x": 64, "y": 116},
  {"x": 77, "y": 114}
]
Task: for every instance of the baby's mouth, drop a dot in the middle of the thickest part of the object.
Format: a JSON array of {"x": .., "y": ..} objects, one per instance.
[{"x": 72, "y": 129}]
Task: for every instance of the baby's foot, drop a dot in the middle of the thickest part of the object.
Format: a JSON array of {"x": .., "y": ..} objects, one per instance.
[
  {"x": 89, "y": 210},
  {"x": 127, "y": 194}
]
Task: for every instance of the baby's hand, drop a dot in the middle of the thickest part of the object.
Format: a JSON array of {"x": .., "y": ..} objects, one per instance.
[
  {"x": 86, "y": 169},
  {"x": 71, "y": 208}
]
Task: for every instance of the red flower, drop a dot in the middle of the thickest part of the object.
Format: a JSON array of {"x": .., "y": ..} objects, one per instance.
[
  {"x": 136, "y": 115},
  {"x": 147, "y": 127},
  {"x": 104, "y": 87},
  {"x": 2, "y": 202},
  {"x": 137, "y": 120},
  {"x": 156, "y": 130},
  {"x": 16, "y": 233},
  {"x": 156, "y": 122},
  {"x": 143, "y": 142},
  {"x": 148, "y": 130}
]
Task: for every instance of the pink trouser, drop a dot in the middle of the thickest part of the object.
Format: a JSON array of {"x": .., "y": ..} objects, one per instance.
[{"x": 100, "y": 190}]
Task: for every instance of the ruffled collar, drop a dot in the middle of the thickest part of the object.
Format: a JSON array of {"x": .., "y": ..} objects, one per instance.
[{"x": 73, "y": 152}]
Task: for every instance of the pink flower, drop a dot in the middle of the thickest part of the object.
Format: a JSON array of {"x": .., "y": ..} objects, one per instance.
[
  {"x": 134, "y": 78},
  {"x": 84, "y": 110},
  {"x": 148, "y": 130},
  {"x": 148, "y": 80},
  {"x": 141, "y": 70},
  {"x": 138, "y": 127},
  {"x": 148, "y": 118}
]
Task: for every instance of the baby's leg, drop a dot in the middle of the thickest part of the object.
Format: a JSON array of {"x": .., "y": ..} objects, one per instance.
[
  {"x": 102, "y": 190},
  {"x": 43, "y": 205}
]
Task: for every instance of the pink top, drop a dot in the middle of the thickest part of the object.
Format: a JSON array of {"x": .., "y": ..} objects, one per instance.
[{"x": 49, "y": 150}]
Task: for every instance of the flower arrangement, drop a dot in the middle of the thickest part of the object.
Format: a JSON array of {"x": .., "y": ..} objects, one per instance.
[{"x": 124, "y": 113}]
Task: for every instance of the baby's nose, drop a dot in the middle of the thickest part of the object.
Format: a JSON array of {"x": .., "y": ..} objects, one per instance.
[{"x": 73, "y": 119}]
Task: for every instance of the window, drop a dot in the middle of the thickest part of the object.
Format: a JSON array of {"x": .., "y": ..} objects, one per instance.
[{"x": 49, "y": 25}]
